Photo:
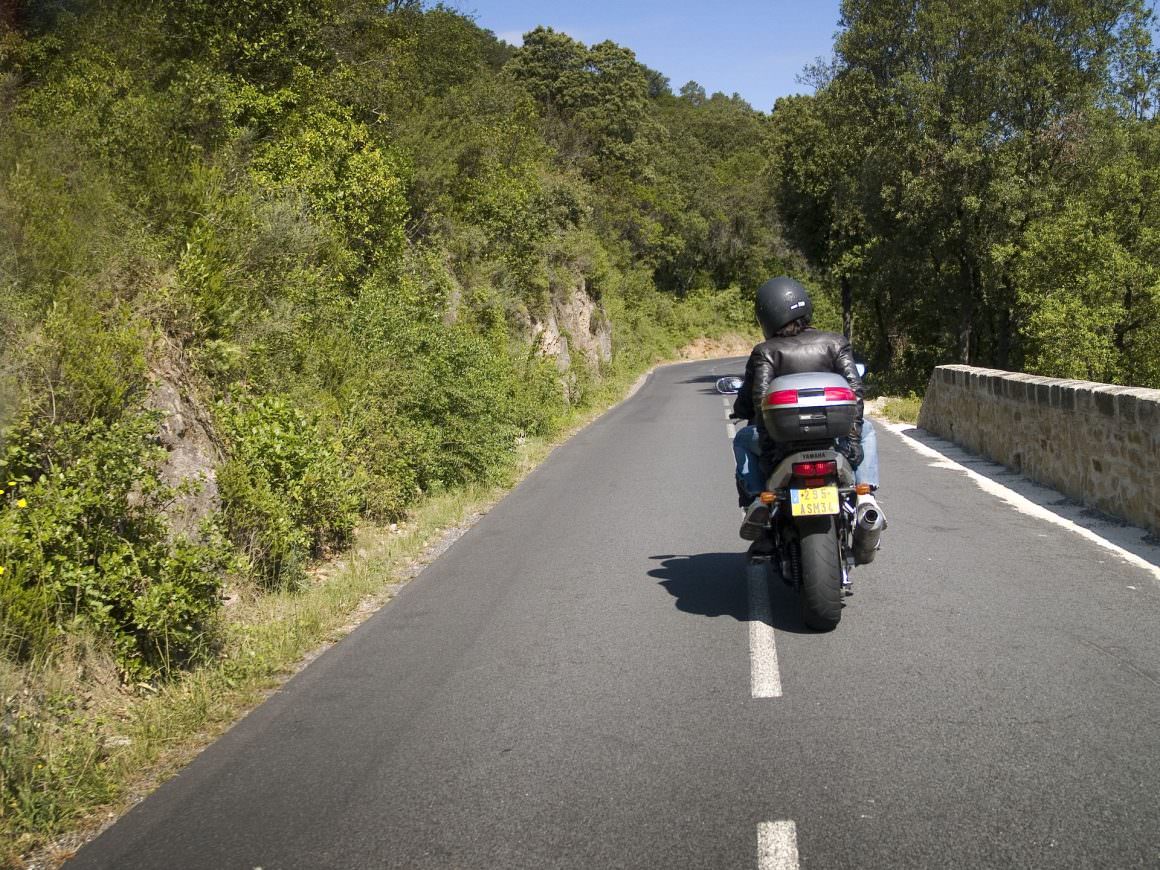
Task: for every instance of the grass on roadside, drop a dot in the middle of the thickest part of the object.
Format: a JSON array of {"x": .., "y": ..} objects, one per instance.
[{"x": 901, "y": 409}]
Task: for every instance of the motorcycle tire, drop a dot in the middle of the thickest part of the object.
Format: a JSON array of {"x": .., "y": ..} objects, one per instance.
[{"x": 820, "y": 593}]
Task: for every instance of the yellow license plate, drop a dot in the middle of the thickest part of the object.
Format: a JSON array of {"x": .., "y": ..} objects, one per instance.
[{"x": 816, "y": 502}]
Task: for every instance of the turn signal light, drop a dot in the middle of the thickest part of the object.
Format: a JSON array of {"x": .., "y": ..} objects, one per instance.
[
  {"x": 862, "y": 488},
  {"x": 815, "y": 469},
  {"x": 767, "y": 497}
]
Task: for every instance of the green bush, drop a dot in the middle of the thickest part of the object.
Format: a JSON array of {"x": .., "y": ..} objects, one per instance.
[
  {"x": 336, "y": 164},
  {"x": 83, "y": 540},
  {"x": 287, "y": 492}
]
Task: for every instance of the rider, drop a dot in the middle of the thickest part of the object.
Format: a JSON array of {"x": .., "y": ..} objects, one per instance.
[{"x": 792, "y": 346}]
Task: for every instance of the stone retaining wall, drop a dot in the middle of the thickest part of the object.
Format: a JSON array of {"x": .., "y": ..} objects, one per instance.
[{"x": 1097, "y": 443}]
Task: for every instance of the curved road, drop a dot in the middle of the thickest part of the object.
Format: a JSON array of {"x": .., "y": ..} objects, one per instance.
[{"x": 590, "y": 677}]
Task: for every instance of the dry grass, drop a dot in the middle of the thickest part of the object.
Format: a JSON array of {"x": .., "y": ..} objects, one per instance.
[
  {"x": 900, "y": 409},
  {"x": 727, "y": 345}
]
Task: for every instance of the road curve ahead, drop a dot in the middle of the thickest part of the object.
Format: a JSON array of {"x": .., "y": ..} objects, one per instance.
[{"x": 591, "y": 678}]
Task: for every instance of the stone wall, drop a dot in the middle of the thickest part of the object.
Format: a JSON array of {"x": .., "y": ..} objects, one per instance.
[{"x": 1097, "y": 443}]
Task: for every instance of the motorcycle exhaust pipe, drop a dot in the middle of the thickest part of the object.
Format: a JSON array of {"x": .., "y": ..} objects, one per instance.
[{"x": 869, "y": 522}]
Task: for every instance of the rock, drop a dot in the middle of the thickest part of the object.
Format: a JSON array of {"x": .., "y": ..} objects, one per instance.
[
  {"x": 574, "y": 330},
  {"x": 186, "y": 433}
]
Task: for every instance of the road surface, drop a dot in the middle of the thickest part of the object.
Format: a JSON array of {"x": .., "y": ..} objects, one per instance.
[{"x": 591, "y": 677}]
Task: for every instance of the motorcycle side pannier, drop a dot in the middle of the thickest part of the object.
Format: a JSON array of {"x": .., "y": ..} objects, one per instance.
[{"x": 809, "y": 407}]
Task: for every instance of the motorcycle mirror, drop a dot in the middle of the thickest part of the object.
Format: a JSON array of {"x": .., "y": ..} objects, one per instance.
[{"x": 729, "y": 384}]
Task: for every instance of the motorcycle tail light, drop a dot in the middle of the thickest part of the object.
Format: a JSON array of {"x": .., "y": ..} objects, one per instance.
[
  {"x": 839, "y": 394},
  {"x": 782, "y": 397},
  {"x": 815, "y": 469}
]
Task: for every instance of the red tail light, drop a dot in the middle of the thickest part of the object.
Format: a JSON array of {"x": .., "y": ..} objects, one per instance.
[
  {"x": 815, "y": 469},
  {"x": 839, "y": 394},
  {"x": 782, "y": 397}
]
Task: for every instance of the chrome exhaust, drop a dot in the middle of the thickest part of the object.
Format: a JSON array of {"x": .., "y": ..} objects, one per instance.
[
  {"x": 757, "y": 518},
  {"x": 868, "y": 525}
]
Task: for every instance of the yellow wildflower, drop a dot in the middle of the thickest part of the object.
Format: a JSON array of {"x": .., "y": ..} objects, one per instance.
[
  {"x": 12, "y": 483},
  {"x": 22, "y": 503},
  {"x": 1, "y": 569}
]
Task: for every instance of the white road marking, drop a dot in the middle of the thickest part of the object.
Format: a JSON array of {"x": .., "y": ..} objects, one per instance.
[
  {"x": 1020, "y": 502},
  {"x": 728, "y": 405},
  {"x": 777, "y": 846},
  {"x": 764, "y": 679}
]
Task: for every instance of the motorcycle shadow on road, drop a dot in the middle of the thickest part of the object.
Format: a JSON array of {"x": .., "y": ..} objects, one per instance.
[{"x": 716, "y": 584}]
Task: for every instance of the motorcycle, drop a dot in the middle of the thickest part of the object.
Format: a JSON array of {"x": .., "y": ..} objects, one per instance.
[{"x": 818, "y": 522}]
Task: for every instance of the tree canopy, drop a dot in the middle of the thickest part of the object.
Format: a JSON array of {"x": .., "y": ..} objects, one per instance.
[{"x": 976, "y": 178}]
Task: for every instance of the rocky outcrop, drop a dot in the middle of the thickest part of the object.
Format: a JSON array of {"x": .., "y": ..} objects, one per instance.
[
  {"x": 574, "y": 329},
  {"x": 186, "y": 433}
]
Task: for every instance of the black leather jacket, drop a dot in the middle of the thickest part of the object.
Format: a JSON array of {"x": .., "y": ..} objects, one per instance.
[{"x": 811, "y": 350}]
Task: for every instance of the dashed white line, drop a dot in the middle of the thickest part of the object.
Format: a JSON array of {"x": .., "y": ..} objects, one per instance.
[
  {"x": 764, "y": 678},
  {"x": 777, "y": 846},
  {"x": 730, "y": 431}
]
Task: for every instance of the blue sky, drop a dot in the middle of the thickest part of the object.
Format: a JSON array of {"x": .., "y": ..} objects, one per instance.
[{"x": 749, "y": 47}]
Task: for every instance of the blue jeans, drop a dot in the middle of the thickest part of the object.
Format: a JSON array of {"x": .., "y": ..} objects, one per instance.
[{"x": 747, "y": 452}]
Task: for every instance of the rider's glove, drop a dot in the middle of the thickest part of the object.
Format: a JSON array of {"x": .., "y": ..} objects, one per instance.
[{"x": 854, "y": 452}]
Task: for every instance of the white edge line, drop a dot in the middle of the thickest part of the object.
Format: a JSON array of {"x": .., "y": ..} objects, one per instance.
[
  {"x": 764, "y": 678},
  {"x": 1019, "y": 502},
  {"x": 729, "y": 433},
  {"x": 777, "y": 846}
]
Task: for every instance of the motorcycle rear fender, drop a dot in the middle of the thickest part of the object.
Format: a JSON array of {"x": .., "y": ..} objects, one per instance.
[{"x": 784, "y": 470}]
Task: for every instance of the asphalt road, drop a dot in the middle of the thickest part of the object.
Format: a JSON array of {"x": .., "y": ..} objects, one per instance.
[{"x": 572, "y": 685}]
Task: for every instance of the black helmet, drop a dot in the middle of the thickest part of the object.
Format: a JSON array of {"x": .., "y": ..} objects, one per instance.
[{"x": 780, "y": 301}]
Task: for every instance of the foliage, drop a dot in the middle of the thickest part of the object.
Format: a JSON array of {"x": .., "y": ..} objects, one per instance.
[
  {"x": 593, "y": 100},
  {"x": 334, "y": 162},
  {"x": 83, "y": 542},
  {"x": 949, "y": 154},
  {"x": 286, "y": 492},
  {"x": 263, "y": 42},
  {"x": 727, "y": 230}
]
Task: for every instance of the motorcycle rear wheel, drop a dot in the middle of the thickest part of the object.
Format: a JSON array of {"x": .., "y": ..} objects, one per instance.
[{"x": 820, "y": 593}]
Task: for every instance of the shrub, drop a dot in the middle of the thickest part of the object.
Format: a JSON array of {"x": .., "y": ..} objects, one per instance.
[
  {"x": 83, "y": 540},
  {"x": 287, "y": 492}
]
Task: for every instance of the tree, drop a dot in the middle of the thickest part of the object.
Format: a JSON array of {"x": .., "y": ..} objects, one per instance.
[
  {"x": 593, "y": 101},
  {"x": 965, "y": 119}
]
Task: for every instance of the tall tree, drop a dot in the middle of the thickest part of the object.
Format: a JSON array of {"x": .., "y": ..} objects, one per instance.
[{"x": 966, "y": 117}]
